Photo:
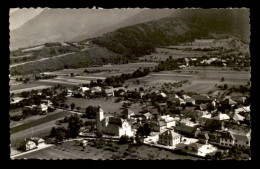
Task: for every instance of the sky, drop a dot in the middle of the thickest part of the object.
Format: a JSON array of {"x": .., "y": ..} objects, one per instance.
[{"x": 23, "y": 15}]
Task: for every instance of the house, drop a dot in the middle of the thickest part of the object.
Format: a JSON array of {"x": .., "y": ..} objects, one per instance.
[
  {"x": 83, "y": 142},
  {"x": 112, "y": 125},
  {"x": 238, "y": 99},
  {"x": 37, "y": 140},
  {"x": 211, "y": 124},
  {"x": 46, "y": 102},
  {"x": 69, "y": 93},
  {"x": 200, "y": 149},
  {"x": 81, "y": 91},
  {"x": 187, "y": 122},
  {"x": 30, "y": 145},
  {"x": 221, "y": 116},
  {"x": 169, "y": 138},
  {"x": 190, "y": 101},
  {"x": 109, "y": 92},
  {"x": 245, "y": 109},
  {"x": 96, "y": 89},
  {"x": 229, "y": 139},
  {"x": 148, "y": 116},
  {"x": 237, "y": 117},
  {"x": 42, "y": 108},
  {"x": 202, "y": 99},
  {"x": 158, "y": 126},
  {"x": 127, "y": 113},
  {"x": 168, "y": 120},
  {"x": 229, "y": 101},
  {"x": 186, "y": 130},
  {"x": 162, "y": 94}
]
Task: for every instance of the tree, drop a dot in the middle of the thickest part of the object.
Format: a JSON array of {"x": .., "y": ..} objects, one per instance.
[
  {"x": 98, "y": 134},
  {"x": 75, "y": 123},
  {"x": 225, "y": 86},
  {"x": 78, "y": 108},
  {"x": 124, "y": 139},
  {"x": 146, "y": 129},
  {"x": 72, "y": 106},
  {"x": 59, "y": 134}
]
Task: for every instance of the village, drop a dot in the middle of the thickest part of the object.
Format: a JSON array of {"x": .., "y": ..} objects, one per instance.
[{"x": 122, "y": 108}]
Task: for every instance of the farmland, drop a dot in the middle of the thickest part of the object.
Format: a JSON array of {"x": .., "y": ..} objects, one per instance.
[
  {"x": 161, "y": 54},
  {"x": 72, "y": 150},
  {"x": 38, "y": 128},
  {"x": 202, "y": 81}
]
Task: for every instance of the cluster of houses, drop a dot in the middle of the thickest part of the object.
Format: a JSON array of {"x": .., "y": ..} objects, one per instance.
[
  {"x": 199, "y": 118},
  {"x": 97, "y": 90}
]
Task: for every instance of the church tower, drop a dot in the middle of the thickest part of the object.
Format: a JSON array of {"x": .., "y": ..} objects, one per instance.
[{"x": 99, "y": 118}]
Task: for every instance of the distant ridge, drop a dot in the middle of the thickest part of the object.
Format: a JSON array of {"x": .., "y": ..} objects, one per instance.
[{"x": 53, "y": 25}]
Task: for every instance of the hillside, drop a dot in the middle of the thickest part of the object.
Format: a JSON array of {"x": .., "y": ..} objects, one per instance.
[
  {"x": 183, "y": 25},
  {"x": 94, "y": 56},
  {"x": 141, "y": 17},
  {"x": 58, "y": 25}
]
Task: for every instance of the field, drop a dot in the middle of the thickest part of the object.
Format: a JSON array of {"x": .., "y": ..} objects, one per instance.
[
  {"x": 39, "y": 121},
  {"x": 66, "y": 80},
  {"x": 200, "y": 82},
  {"x": 32, "y": 118},
  {"x": 39, "y": 87},
  {"x": 108, "y": 105},
  {"x": 161, "y": 54},
  {"x": 38, "y": 128},
  {"x": 72, "y": 150}
]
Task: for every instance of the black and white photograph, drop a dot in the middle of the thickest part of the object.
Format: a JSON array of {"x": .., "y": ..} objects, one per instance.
[{"x": 130, "y": 83}]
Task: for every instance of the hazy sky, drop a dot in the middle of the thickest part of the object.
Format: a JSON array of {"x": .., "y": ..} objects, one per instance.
[{"x": 19, "y": 16}]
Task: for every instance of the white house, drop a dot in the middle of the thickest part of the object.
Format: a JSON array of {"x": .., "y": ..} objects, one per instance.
[
  {"x": 96, "y": 89},
  {"x": 43, "y": 108},
  {"x": 30, "y": 145},
  {"x": 230, "y": 139},
  {"x": 169, "y": 138}
]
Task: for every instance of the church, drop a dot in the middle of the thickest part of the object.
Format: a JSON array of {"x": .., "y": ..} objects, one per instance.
[{"x": 112, "y": 125}]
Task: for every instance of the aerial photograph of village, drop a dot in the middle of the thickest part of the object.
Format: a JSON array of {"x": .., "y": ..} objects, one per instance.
[{"x": 130, "y": 83}]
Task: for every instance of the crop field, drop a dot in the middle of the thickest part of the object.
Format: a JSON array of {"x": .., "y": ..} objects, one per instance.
[
  {"x": 199, "y": 82},
  {"x": 113, "y": 150},
  {"x": 38, "y": 128},
  {"x": 38, "y": 121},
  {"x": 163, "y": 53},
  {"x": 35, "y": 87},
  {"x": 31, "y": 118}
]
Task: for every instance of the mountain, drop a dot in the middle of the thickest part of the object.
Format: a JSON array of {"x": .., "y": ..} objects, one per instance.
[
  {"x": 141, "y": 17},
  {"x": 65, "y": 24},
  {"x": 234, "y": 21},
  {"x": 20, "y": 16},
  {"x": 184, "y": 25}
]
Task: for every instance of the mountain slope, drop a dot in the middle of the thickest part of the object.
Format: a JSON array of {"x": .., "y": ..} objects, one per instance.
[
  {"x": 142, "y": 16},
  {"x": 65, "y": 24},
  {"x": 183, "y": 25}
]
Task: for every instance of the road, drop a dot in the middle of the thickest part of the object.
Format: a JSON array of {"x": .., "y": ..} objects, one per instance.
[{"x": 18, "y": 64}]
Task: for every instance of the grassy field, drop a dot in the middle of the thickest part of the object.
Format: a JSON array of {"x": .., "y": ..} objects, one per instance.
[
  {"x": 39, "y": 87},
  {"x": 31, "y": 118},
  {"x": 38, "y": 122},
  {"x": 199, "y": 82},
  {"x": 108, "y": 105},
  {"x": 162, "y": 54},
  {"x": 110, "y": 150}
]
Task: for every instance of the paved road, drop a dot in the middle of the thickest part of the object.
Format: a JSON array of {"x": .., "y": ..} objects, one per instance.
[{"x": 18, "y": 64}]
